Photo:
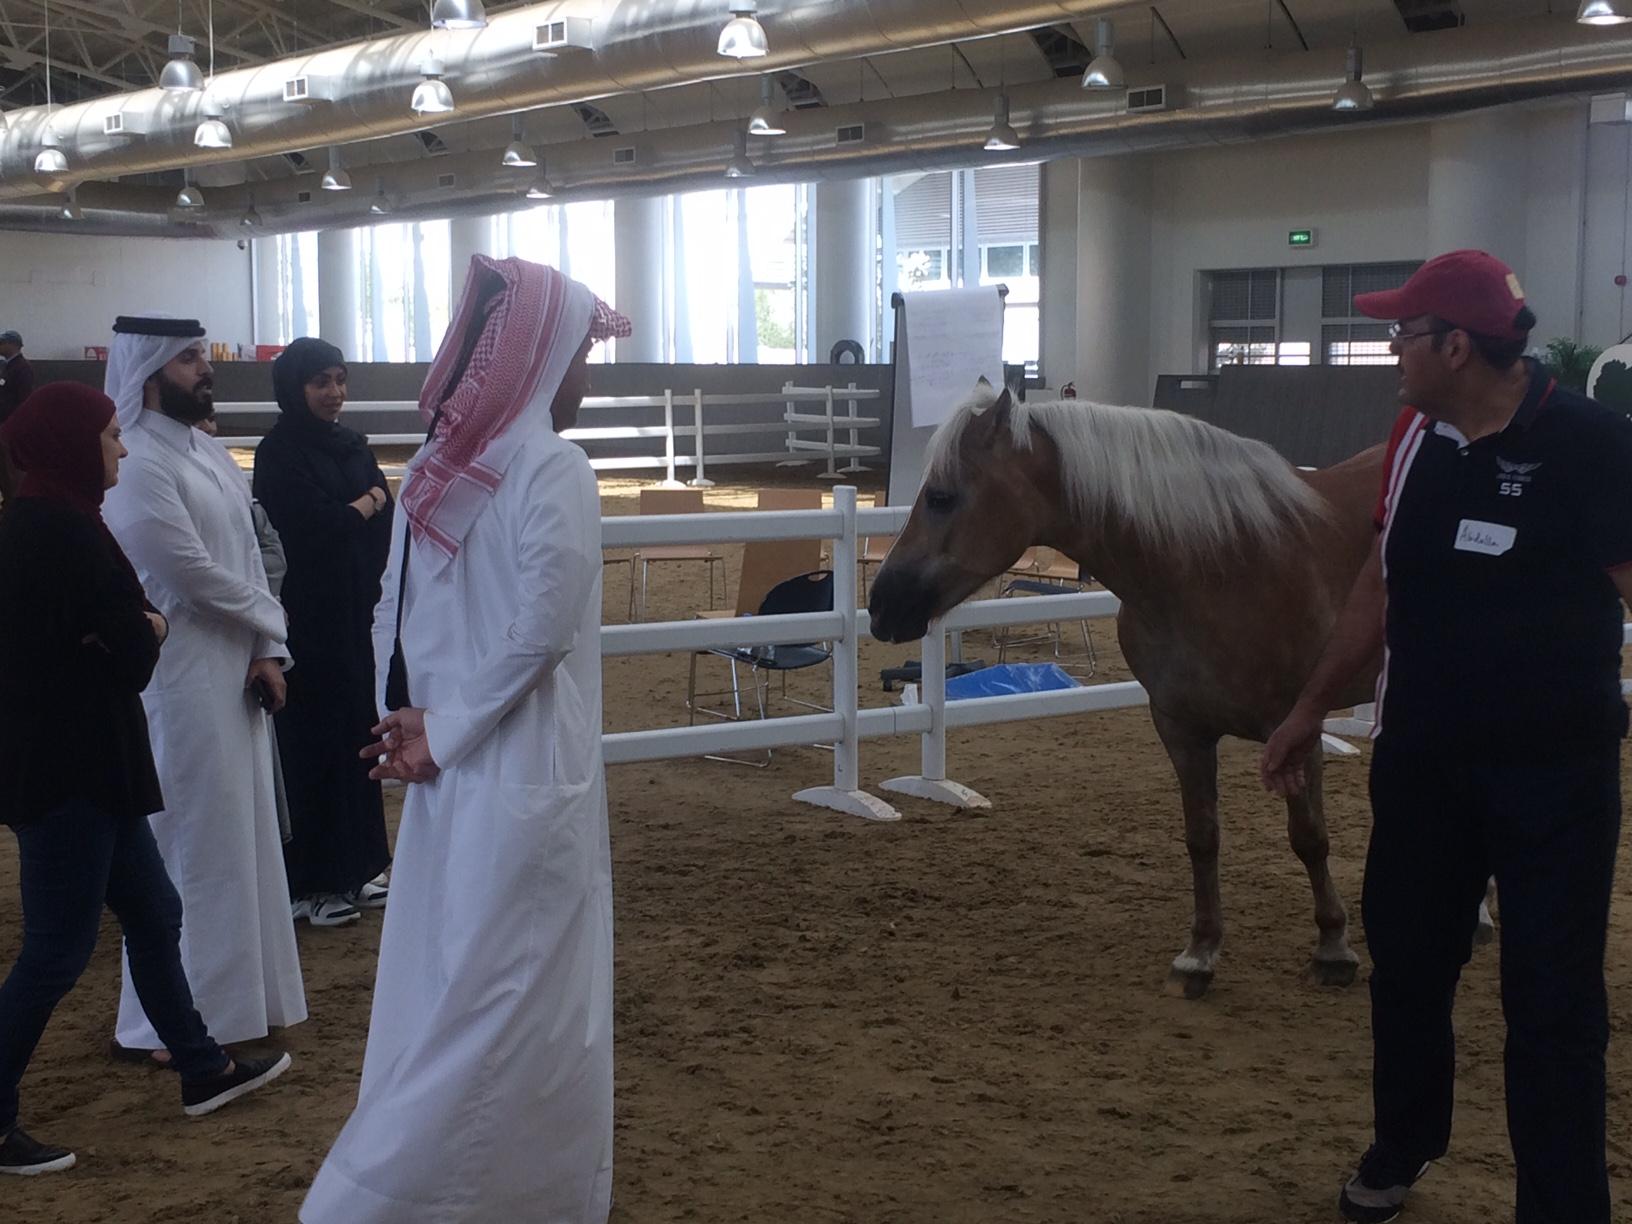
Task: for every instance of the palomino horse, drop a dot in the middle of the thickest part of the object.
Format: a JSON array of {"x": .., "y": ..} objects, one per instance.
[{"x": 1231, "y": 566}]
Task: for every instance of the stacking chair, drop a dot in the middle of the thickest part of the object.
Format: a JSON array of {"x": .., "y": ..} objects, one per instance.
[
  {"x": 676, "y": 501},
  {"x": 1052, "y": 573},
  {"x": 808, "y": 592}
]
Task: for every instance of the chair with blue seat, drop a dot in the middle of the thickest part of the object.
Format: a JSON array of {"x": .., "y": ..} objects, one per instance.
[
  {"x": 812, "y": 592},
  {"x": 1052, "y": 573}
]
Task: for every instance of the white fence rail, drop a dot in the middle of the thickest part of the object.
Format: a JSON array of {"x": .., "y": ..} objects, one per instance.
[
  {"x": 682, "y": 427},
  {"x": 848, "y": 724}
]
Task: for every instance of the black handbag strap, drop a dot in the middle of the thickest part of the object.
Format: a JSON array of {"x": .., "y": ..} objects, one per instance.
[{"x": 408, "y": 539}]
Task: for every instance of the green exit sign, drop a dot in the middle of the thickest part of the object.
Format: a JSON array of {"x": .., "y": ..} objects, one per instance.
[{"x": 1300, "y": 238}]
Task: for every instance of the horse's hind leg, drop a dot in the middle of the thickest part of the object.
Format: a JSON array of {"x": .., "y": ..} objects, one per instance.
[
  {"x": 1195, "y": 760},
  {"x": 1334, "y": 962}
]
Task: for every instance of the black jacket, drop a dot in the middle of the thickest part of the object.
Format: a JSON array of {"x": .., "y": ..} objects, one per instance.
[
  {"x": 71, "y": 718},
  {"x": 16, "y": 385}
]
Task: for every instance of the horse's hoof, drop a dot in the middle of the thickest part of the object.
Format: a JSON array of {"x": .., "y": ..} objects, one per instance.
[
  {"x": 1333, "y": 972},
  {"x": 1484, "y": 933},
  {"x": 1189, "y": 983}
]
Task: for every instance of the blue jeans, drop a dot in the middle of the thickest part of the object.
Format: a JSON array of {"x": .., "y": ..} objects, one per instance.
[{"x": 72, "y": 862}]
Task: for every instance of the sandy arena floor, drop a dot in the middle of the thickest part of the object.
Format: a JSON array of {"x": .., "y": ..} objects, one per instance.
[{"x": 950, "y": 1020}]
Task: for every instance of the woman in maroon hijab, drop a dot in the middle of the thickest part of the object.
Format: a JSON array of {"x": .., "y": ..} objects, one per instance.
[{"x": 78, "y": 643}]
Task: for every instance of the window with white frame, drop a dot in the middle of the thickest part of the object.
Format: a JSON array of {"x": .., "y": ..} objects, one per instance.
[
  {"x": 733, "y": 274},
  {"x": 297, "y": 286},
  {"x": 1347, "y": 337},
  {"x": 968, "y": 227},
  {"x": 1244, "y": 320},
  {"x": 404, "y": 289},
  {"x": 578, "y": 238}
]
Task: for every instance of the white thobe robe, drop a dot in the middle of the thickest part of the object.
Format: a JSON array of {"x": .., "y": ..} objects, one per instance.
[
  {"x": 487, "y": 1084},
  {"x": 181, "y": 511}
]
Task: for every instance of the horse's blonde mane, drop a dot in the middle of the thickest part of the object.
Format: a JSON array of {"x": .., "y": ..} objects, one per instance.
[{"x": 1177, "y": 481}]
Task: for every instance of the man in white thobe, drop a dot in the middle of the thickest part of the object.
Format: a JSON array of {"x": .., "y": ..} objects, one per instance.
[
  {"x": 181, "y": 511},
  {"x": 487, "y": 1084}
]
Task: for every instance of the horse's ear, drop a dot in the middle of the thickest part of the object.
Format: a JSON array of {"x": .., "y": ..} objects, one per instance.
[{"x": 1002, "y": 407}]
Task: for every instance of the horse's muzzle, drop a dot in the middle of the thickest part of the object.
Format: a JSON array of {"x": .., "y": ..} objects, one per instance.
[{"x": 899, "y": 607}]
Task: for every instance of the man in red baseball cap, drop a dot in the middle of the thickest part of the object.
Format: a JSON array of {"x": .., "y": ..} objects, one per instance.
[{"x": 1493, "y": 594}]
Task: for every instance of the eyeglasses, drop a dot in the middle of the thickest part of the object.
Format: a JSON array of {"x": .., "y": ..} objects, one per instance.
[{"x": 1396, "y": 335}]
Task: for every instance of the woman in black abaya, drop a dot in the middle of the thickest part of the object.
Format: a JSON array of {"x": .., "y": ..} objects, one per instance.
[{"x": 326, "y": 496}]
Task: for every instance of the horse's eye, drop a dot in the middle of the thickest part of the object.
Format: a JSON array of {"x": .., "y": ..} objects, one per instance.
[{"x": 939, "y": 500}]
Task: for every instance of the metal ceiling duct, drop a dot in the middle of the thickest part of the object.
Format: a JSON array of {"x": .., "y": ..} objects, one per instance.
[
  {"x": 360, "y": 91},
  {"x": 1420, "y": 77}
]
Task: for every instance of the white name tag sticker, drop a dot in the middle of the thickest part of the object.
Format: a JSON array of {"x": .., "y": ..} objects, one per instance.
[{"x": 1492, "y": 539}]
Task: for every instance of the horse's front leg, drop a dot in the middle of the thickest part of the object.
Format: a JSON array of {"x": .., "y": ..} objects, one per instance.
[
  {"x": 1195, "y": 760},
  {"x": 1334, "y": 962}
]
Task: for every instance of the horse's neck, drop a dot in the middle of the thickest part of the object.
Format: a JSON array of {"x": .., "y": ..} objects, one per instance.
[{"x": 1124, "y": 561}]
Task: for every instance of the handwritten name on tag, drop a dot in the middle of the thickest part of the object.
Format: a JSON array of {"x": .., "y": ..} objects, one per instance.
[{"x": 1492, "y": 539}]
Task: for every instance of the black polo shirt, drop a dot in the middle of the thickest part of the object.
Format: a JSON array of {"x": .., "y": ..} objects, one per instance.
[{"x": 1503, "y": 622}]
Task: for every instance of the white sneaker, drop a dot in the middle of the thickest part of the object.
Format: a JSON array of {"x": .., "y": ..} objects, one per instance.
[
  {"x": 327, "y": 911},
  {"x": 371, "y": 895}
]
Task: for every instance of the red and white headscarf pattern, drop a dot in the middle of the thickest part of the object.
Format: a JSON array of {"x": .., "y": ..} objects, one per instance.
[{"x": 522, "y": 323}]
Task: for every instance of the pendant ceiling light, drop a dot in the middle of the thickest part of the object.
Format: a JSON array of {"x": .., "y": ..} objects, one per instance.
[
  {"x": 380, "y": 206},
  {"x": 212, "y": 131},
  {"x": 432, "y": 95},
  {"x": 335, "y": 178},
  {"x": 181, "y": 74},
  {"x": 1104, "y": 72},
  {"x": 542, "y": 188},
  {"x": 50, "y": 159},
  {"x": 766, "y": 120},
  {"x": 518, "y": 154},
  {"x": 251, "y": 218},
  {"x": 189, "y": 197},
  {"x": 71, "y": 211},
  {"x": 1354, "y": 95},
  {"x": 740, "y": 165},
  {"x": 458, "y": 15},
  {"x": 1604, "y": 12},
  {"x": 743, "y": 36},
  {"x": 1002, "y": 136}
]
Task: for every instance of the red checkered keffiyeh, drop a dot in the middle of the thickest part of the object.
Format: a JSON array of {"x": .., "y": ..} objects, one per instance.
[{"x": 522, "y": 324}]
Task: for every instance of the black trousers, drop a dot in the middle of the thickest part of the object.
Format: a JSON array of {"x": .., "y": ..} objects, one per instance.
[
  {"x": 72, "y": 862},
  {"x": 1545, "y": 824}
]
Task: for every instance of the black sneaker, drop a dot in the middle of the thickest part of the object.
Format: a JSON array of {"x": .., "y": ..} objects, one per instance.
[
  {"x": 204, "y": 1096},
  {"x": 21, "y": 1156},
  {"x": 1376, "y": 1193}
]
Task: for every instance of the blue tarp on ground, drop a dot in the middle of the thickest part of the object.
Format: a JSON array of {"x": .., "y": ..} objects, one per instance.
[{"x": 1008, "y": 678}]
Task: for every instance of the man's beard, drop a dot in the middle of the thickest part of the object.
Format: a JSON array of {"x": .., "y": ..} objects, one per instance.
[{"x": 188, "y": 407}]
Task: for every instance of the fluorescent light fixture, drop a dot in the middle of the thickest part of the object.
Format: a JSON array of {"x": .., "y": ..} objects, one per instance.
[
  {"x": 1002, "y": 136},
  {"x": 1104, "y": 72},
  {"x": 458, "y": 15},
  {"x": 765, "y": 121},
  {"x": 180, "y": 74},
  {"x": 432, "y": 95},
  {"x": 1604, "y": 12},
  {"x": 1354, "y": 95},
  {"x": 743, "y": 36}
]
